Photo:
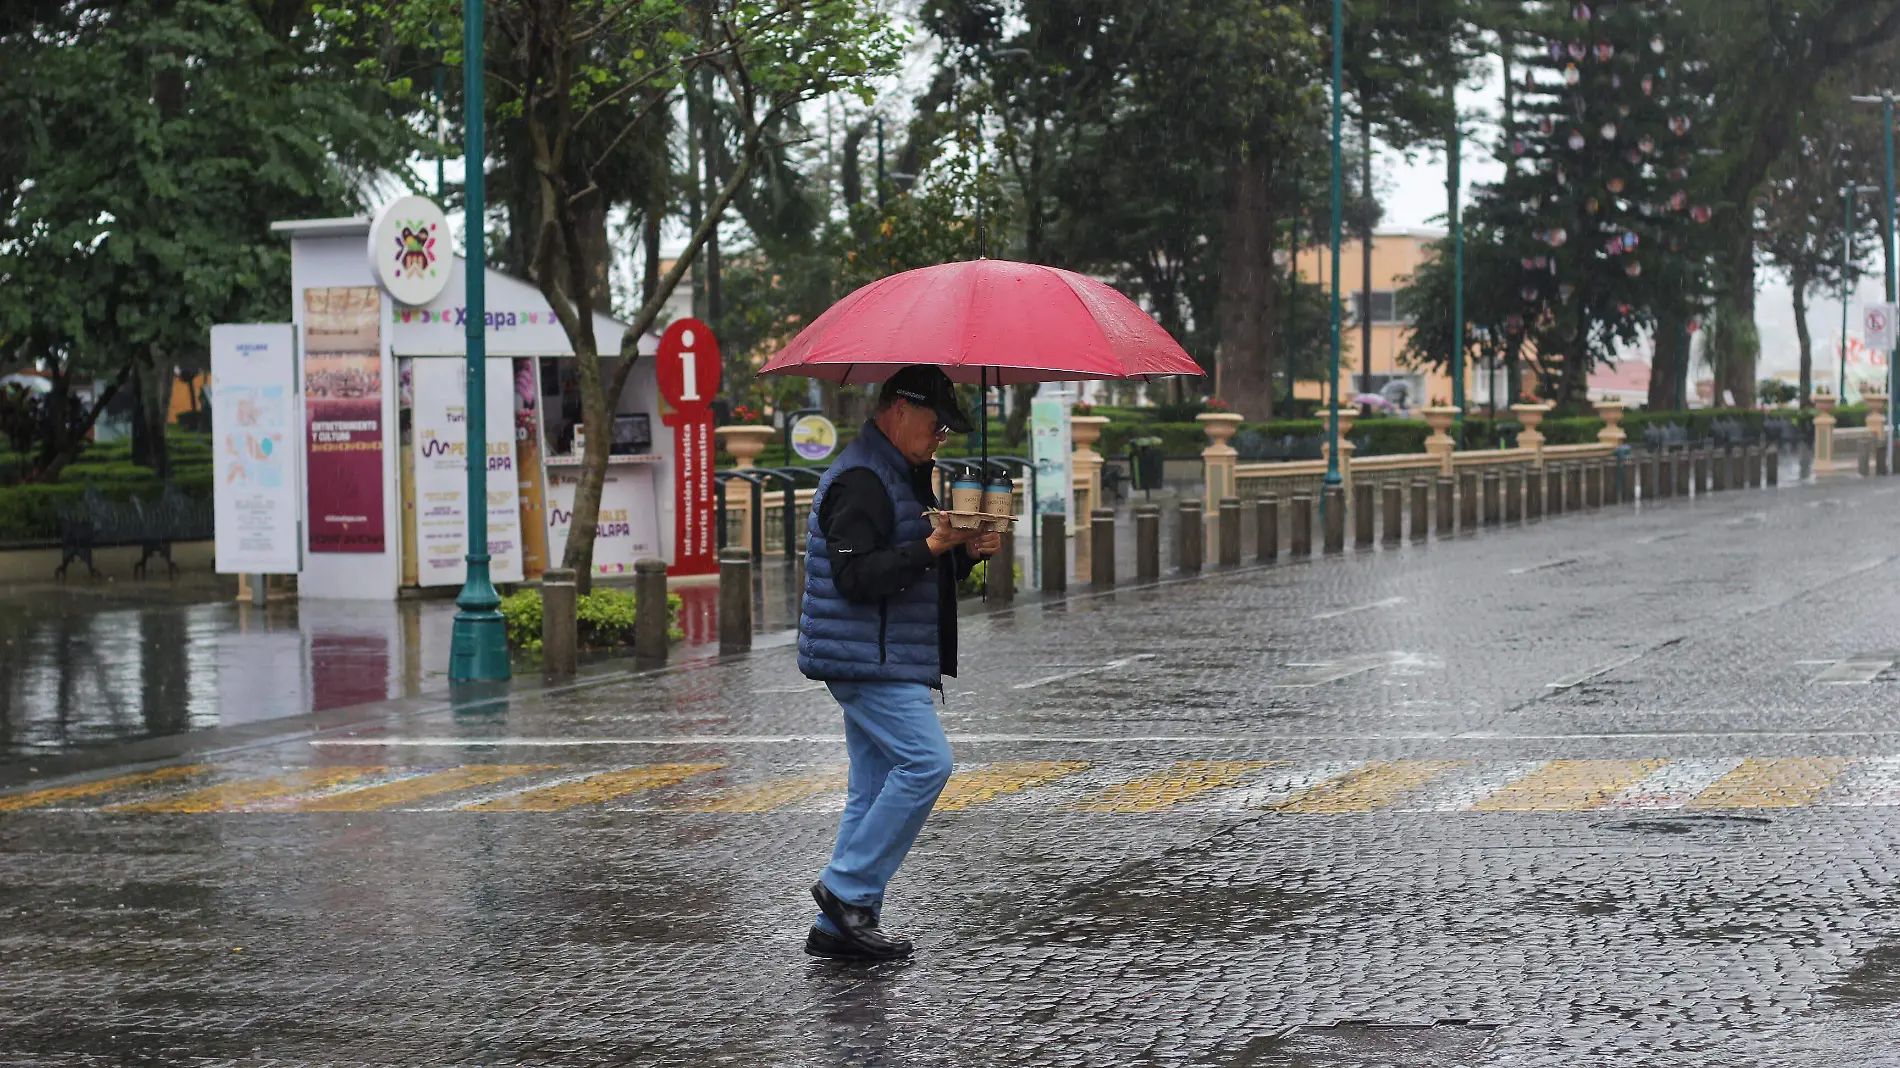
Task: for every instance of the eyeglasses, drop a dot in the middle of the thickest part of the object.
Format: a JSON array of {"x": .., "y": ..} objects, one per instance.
[{"x": 943, "y": 431}]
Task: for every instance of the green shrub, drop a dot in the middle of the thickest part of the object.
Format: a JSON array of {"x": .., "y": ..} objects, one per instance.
[
  {"x": 604, "y": 619},
  {"x": 977, "y": 582}
]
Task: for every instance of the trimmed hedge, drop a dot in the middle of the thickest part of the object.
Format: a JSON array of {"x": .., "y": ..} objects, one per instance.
[{"x": 29, "y": 512}]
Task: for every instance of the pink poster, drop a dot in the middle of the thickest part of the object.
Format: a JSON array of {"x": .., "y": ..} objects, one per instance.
[{"x": 343, "y": 408}]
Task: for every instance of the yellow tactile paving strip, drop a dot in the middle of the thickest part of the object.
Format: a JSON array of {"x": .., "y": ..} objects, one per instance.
[
  {"x": 1772, "y": 782},
  {"x": 244, "y": 792},
  {"x": 1569, "y": 786},
  {"x": 1184, "y": 780},
  {"x": 415, "y": 788},
  {"x": 770, "y": 795},
  {"x": 58, "y": 794},
  {"x": 976, "y": 787},
  {"x": 594, "y": 789},
  {"x": 1368, "y": 787}
]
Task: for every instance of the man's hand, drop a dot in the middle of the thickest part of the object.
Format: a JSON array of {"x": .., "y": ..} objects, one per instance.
[
  {"x": 945, "y": 537},
  {"x": 986, "y": 544}
]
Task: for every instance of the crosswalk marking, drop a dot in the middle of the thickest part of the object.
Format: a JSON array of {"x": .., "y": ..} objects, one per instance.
[
  {"x": 1204, "y": 786},
  {"x": 57, "y": 794},
  {"x": 1772, "y": 782},
  {"x": 593, "y": 789},
  {"x": 969, "y": 788},
  {"x": 236, "y": 795},
  {"x": 767, "y": 796},
  {"x": 1569, "y": 786},
  {"x": 1369, "y": 786},
  {"x": 415, "y": 788},
  {"x": 1184, "y": 780}
]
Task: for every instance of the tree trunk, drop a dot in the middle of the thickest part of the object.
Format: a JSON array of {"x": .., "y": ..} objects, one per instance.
[
  {"x": 1667, "y": 361},
  {"x": 1247, "y": 289},
  {"x": 1798, "y": 282},
  {"x": 151, "y": 405},
  {"x": 1740, "y": 376}
]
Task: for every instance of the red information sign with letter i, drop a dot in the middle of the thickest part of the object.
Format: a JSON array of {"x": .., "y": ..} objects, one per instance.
[{"x": 688, "y": 374}]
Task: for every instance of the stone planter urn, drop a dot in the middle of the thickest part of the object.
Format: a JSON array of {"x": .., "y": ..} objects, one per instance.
[
  {"x": 744, "y": 443},
  {"x": 1220, "y": 428},
  {"x": 1529, "y": 416},
  {"x": 1439, "y": 442},
  {"x": 1611, "y": 412},
  {"x": 1824, "y": 427},
  {"x": 1218, "y": 459},
  {"x": 1085, "y": 431}
]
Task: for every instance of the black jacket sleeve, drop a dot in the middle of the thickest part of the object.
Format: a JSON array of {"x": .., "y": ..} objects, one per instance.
[{"x": 859, "y": 529}]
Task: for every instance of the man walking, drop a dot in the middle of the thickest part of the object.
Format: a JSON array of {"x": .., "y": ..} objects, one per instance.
[{"x": 879, "y": 627}]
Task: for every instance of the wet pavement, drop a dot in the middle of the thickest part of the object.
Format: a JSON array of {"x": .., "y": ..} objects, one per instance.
[{"x": 1618, "y": 788}]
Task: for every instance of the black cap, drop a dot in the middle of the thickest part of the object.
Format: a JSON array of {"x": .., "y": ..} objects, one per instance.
[{"x": 928, "y": 387}]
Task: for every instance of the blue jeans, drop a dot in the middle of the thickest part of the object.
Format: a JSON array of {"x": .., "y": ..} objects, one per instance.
[{"x": 899, "y": 763}]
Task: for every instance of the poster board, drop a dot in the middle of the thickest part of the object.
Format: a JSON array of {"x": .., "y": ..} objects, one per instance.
[
  {"x": 441, "y": 436},
  {"x": 343, "y": 414},
  {"x": 254, "y": 436},
  {"x": 1053, "y": 455},
  {"x": 629, "y": 524}
]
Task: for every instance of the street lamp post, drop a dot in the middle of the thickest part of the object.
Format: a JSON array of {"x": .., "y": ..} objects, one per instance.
[
  {"x": 1332, "y": 432},
  {"x": 478, "y": 646},
  {"x": 1456, "y": 219},
  {"x": 1885, "y": 99},
  {"x": 1848, "y": 192}
]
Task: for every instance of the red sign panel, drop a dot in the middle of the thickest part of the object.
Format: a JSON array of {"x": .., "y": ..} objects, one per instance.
[
  {"x": 343, "y": 410},
  {"x": 688, "y": 374}
]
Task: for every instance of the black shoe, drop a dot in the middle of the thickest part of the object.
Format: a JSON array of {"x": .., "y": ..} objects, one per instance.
[
  {"x": 857, "y": 926},
  {"x": 822, "y": 943}
]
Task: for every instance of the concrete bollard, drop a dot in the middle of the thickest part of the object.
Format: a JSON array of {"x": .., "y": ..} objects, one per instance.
[
  {"x": 1553, "y": 489},
  {"x": 1493, "y": 498},
  {"x": 1266, "y": 532},
  {"x": 1055, "y": 553},
  {"x": 1533, "y": 494},
  {"x": 1392, "y": 513},
  {"x": 1593, "y": 485},
  {"x": 1573, "y": 486},
  {"x": 1334, "y": 499},
  {"x": 999, "y": 586},
  {"x": 1147, "y": 542},
  {"x": 1880, "y": 460},
  {"x": 560, "y": 631},
  {"x": 1230, "y": 532},
  {"x": 1665, "y": 477},
  {"x": 1736, "y": 478},
  {"x": 1771, "y": 462},
  {"x": 1468, "y": 502},
  {"x": 649, "y": 608},
  {"x": 1866, "y": 458},
  {"x": 1191, "y": 538},
  {"x": 1651, "y": 475},
  {"x": 1300, "y": 525},
  {"x": 1362, "y": 517},
  {"x": 1719, "y": 462},
  {"x": 1513, "y": 496},
  {"x": 1445, "y": 493},
  {"x": 1701, "y": 473},
  {"x": 1102, "y": 548},
  {"x": 735, "y": 600},
  {"x": 1682, "y": 473},
  {"x": 1754, "y": 467},
  {"x": 1421, "y": 509}
]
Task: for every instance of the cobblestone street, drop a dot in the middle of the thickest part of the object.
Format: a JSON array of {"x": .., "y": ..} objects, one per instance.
[{"x": 1612, "y": 788}]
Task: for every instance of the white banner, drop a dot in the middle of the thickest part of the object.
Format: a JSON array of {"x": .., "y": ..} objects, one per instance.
[
  {"x": 440, "y": 437},
  {"x": 1877, "y": 326},
  {"x": 1053, "y": 454},
  {"x": 629, "y": 526},
  {"x": 254, "y": 434}
]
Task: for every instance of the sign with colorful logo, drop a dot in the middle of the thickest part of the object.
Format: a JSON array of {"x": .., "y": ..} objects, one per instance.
[
  {"x": 1877, "y": 326},
  {"x": 814, "y": 437},
  {"x": 409, "y": 249},
  {"x": 687, "y": 370}
]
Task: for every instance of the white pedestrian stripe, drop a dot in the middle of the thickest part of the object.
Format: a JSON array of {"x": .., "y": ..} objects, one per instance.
[
  {"x": 1674, "y": 784},
  {"x": 1587, "y": 674},
  {"x": 1321, "y": 672},
  {"x": 1458, "y": 792},
  {"x": 1079, "y": 672},
  {"x": 1855, "y": 669},
  {"x": 1278, "y": 784},
  {"x": 1389, "y": 602},
  {"x": 1545, "y": 566},
  {"x": 1874, "y": 781}
]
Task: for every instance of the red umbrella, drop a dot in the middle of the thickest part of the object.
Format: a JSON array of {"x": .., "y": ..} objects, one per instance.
[{"x": 986, "y": 322}]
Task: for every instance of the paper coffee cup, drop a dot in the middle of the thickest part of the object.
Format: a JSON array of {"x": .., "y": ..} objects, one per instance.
[
  {"x": 999, "y": 499},
  {"x": 966, "y": 495}
]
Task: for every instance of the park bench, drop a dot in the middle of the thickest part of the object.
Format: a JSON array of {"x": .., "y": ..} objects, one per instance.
[{"x": 94, "y": 521}]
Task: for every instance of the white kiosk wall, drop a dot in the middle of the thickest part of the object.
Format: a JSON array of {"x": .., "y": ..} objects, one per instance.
[{"x": 330, "y": 253}]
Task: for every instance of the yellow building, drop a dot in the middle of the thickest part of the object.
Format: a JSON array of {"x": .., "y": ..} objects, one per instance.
[{"x": 1396, "y": 253}]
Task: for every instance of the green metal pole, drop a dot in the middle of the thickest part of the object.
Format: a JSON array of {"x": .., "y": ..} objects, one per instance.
[
  {"x": 1458, "y": 281},
  {"x": 1339, "y": 75},
  {"x": 1886, "y": 235},
  {"x": 1847, "y": 243},
  {"x": 478, "y": 646}
]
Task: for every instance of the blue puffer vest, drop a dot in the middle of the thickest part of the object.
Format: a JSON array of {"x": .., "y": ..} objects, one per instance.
[{"x": 892, "y": 640}]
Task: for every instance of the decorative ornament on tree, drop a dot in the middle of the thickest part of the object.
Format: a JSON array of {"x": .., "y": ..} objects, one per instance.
[
  {"x": 1649, "y": 85},
  {"x": 1614, "y": 185},
  {"x": 1529, "y": 293},
  {"x": 1566, "y": 291},
  {"x": 1547, "y": 126},
  {"x": 1578, "y": 50},
  {"x": 1571, "y": 77},
  {"x": 1701, "y": 213},
  {"x": 1656, "y": 44},
  {"x": 1608, "y": 130},
  {"x": 1519, "y": 146},
  {"x": 1576, "y": 141},
  {"x": 1604, "y": 51},
  {"x": 1678, "y": 174},
  {"x": 1557, "y": 237},
  {"x": 1634, "y": 156},
  {"x": 1591, "y": 205},
  {"x": 1616, "y": 81},
  {"x": 1581, "y": 12},
  {"x": 1647, "y": 144},
  {"x": 1629, "y": 240},
  {"x": 1556, "y": 52},
  {"x": 1679, "y": 201},
  {"x": 1634, "y": 269},
  {"x": 1678, "y": 124}
]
